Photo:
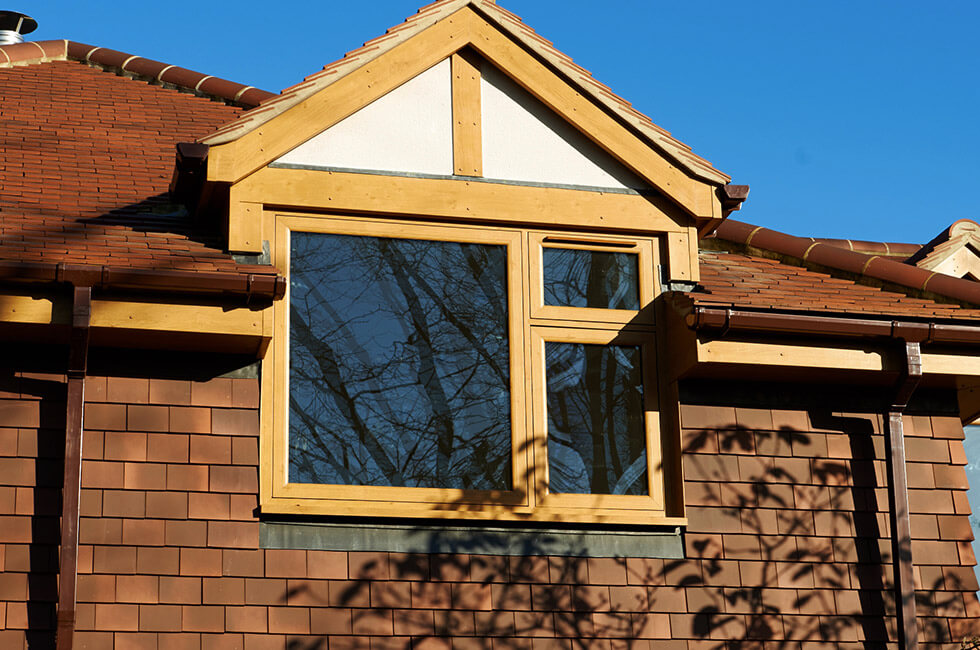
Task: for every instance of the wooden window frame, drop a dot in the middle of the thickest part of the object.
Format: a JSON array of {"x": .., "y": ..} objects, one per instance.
[
  {"x": 641, "y": 247},
  {"x": 531, "y": 323},
  {"x": 654, "y": 499}
]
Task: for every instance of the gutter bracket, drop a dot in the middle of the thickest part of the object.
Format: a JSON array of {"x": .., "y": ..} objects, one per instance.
[{"x": 74, "y": 428}]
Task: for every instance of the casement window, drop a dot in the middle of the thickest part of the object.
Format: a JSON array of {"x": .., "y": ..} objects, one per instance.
[{"x": 428, "y": 370}]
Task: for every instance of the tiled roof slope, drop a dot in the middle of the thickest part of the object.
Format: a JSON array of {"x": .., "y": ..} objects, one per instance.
[
  {"x": 511, "y": 24},
  {"x": 748, "y": 282},
  {"x": 86, "y": 158},
  {"x": 875, "y": 269}
]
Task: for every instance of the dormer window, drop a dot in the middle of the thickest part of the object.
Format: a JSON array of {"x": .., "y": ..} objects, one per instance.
[{"x": 436, "y": 370}]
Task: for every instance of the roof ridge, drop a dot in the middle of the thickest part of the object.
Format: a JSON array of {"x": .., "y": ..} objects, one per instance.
[
  {"x": 877, "y": 268},
  {"x": 889, "y": 249},
  {"x": 30, "y": 52},
  {"x": 136, "y": 67},
  {"x": 514, "y": 27}
]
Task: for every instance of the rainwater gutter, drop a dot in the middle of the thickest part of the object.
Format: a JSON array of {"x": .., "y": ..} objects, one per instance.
[
  {"x": 909, "y": 336},
  {"x": 263, "y": 285}
]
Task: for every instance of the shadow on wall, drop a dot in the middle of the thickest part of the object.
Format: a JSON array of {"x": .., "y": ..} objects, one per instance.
[
  {"x": 789, "y": 545},
  {"x": 809, "y": 522},
  {"x": 815, "y": 535},
  {"x": 480, "y": 591},
  {"x": 34, "y": 403}
]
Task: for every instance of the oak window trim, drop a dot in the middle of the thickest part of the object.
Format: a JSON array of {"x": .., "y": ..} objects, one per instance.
[{"x": 528, "y": 501}]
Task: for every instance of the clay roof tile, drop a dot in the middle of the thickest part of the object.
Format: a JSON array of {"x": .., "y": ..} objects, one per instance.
[{"x": 90, "y": 186}]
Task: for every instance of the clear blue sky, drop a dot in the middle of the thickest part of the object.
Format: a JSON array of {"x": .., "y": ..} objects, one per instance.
[{"x": 848, "y": 119}]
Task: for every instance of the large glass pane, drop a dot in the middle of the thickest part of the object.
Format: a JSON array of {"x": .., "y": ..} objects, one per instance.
[
  {"x": 399, "y": 363},
  {"x": 596, "y": 432},
  {"x": 582, "y": 278}
]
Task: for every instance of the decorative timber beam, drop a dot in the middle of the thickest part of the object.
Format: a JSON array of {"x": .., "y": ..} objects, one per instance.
[{"x": 74, "y": 428}]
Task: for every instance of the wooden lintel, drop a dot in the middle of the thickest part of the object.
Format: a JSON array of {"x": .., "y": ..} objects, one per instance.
[
  {"x": 467, "y": 120},
  {"x": 462, "y": 200}
]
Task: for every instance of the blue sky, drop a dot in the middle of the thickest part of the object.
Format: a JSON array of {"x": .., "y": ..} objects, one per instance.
[{"x": 848, "y": 119}]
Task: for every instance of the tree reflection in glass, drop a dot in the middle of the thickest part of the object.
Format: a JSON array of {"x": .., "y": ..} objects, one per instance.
[
  {"x": 596, "y": 433},
  {"x": 584, "y": 278},
  {"x": 399, "y": 363}
]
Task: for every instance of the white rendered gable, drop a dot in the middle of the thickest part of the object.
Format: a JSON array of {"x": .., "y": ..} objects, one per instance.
[
  {"x": 524, "y": 141},
  {"x": 408, "y": 130}
]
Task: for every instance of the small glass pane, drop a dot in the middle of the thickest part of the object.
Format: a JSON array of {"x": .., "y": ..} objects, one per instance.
[
  {"x": 596, "y": 432},
  {"x": 399, "y": 363},
  {"x": 582, "y": 278}
]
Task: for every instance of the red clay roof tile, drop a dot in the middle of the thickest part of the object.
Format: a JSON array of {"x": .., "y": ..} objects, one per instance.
[
  {"x": 90, "y": 185},
  {"x": 743, "y": 281},
  {"x": 866, "y": 268}
]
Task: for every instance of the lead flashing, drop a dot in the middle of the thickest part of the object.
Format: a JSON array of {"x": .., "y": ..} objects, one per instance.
[{"x": 477, "y": 540}]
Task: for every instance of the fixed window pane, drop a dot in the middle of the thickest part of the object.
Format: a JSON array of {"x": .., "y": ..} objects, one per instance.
[
  {"x": 587, "y": 278},
  {"x": 596, "y": 432},
  {"x": 399, "y": 363}
]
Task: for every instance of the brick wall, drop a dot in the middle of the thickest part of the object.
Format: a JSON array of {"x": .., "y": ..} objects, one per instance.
[
  {"x": 788, "y": 513},
  {"x": 787, "y": 541}
]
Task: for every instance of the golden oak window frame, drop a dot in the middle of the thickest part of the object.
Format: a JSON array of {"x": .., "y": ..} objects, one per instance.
[{"x": 530, "y": 324}]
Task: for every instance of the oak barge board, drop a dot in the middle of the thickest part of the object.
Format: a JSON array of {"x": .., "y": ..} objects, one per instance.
[{"x": 232, "y": 161}]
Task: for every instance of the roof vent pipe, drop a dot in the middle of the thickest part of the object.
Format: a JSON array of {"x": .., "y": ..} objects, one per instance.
[{"x": 14, "y": 25}]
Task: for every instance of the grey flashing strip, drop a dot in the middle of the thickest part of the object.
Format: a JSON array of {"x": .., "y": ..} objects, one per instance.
[
  {"x": 469, "y": 179},
  {"x": 477, "y": 540}
]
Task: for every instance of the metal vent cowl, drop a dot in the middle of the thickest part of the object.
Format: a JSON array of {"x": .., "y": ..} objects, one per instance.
[{"x": 13, "y": 26}]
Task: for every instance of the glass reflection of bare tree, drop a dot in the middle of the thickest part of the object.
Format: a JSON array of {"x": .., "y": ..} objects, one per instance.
[
  {"x": 596, "y": 437},
  {"x": 399, "y": 363},
  {"x": 587, "y": 278}
]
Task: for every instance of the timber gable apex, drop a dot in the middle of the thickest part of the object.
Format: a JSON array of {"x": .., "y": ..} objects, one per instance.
[{"x": 482, "y": 34}]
